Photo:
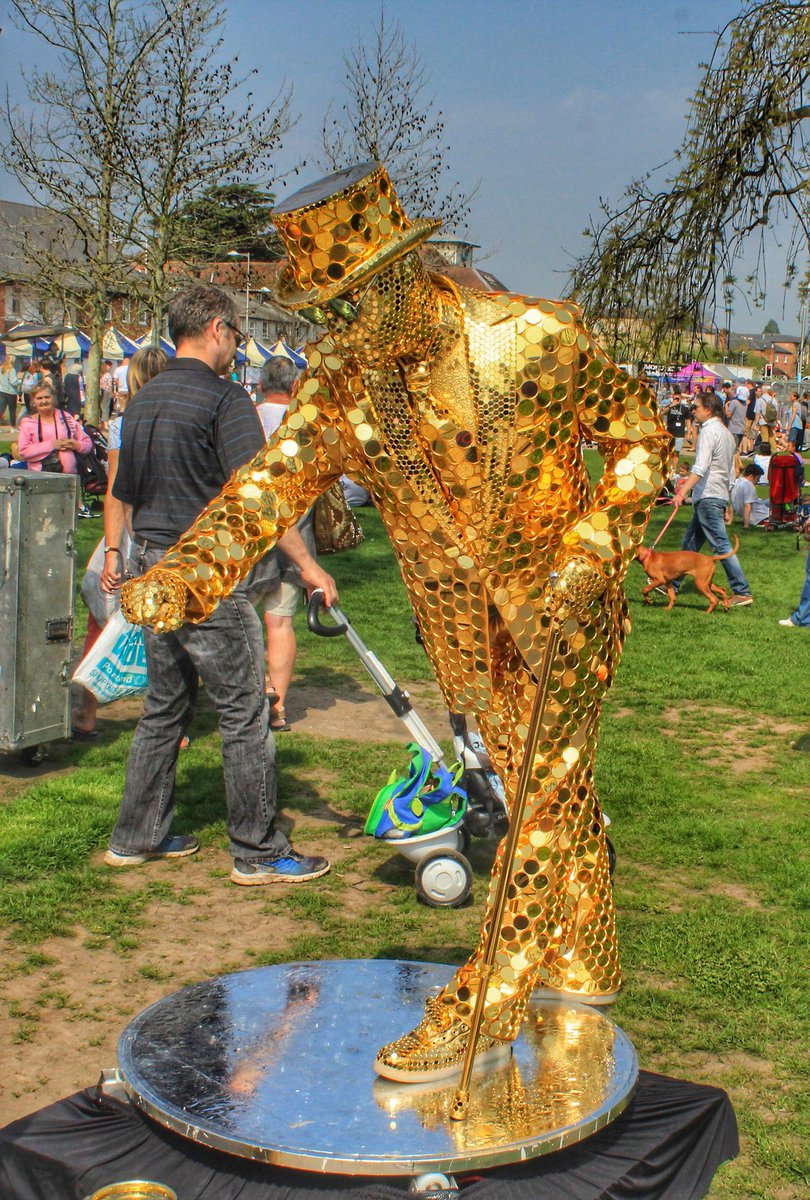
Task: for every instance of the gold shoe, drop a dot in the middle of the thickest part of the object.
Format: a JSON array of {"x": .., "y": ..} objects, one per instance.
[{"x": 435, "y": 1049}]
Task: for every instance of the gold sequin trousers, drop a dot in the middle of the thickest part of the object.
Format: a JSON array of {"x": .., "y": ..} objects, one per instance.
[{"x": 559, "y": 924}]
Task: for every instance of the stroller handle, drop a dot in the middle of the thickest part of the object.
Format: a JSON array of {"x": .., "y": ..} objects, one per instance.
[{"x": 314, "y": 622}]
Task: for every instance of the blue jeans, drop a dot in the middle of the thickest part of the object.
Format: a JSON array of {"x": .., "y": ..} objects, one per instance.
[
  {"x": 226, "y": 652},
  {"x": 708, "y": 525},
  {"x": 802, "y": 613}
]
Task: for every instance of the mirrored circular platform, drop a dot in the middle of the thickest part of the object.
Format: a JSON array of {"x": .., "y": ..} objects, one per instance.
[{"x": 275, "y": 1064}]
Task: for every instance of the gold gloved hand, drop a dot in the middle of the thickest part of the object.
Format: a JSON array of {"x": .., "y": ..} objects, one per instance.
[
  {"x": 578, "y": 584},
  {"x": 157, "y": 598}
]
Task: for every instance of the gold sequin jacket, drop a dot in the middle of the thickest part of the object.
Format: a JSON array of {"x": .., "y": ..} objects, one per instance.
[{"x": 475, "y": 464}]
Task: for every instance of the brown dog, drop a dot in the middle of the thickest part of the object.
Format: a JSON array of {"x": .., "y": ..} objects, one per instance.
[{"x": 665, "y": 566}]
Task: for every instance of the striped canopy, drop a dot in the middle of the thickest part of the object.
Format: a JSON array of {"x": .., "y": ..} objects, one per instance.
[
  {"x": 281, "y": 350},
  {"x": 166, "y": 346},
  {"x": 73, "y": 344},
  {"x": 253, "y": 352},
  {"x": 117, "y": 345}
]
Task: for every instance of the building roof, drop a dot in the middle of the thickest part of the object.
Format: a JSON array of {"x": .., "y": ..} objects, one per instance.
[
  {"x": 468, "y": 277},
  {"x": 40, "y": 228},
  {"x": 762, "y": 341}
]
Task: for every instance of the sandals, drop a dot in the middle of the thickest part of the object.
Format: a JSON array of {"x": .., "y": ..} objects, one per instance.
[{"x": 278, "y": 719}]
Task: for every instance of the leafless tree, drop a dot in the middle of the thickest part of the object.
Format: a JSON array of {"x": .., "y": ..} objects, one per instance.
[
  {"x": 388, "y": 117},
  {"x": 197, "y": 127},
  {"x": 143, "y": 114},
  {"x": 68, "y": 152},
  {"x": 659, "y": 260}
]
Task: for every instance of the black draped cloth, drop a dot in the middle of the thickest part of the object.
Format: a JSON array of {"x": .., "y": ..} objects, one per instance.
[{"x": 666, "y": 1145}]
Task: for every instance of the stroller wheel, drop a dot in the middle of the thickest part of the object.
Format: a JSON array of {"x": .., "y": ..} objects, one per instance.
[{"x": 444, "y": 879}]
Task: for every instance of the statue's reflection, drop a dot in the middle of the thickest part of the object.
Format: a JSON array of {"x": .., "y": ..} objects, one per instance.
[
  {"x": 252, "y": 1061},
  {"x": 571, "y": 1077}
]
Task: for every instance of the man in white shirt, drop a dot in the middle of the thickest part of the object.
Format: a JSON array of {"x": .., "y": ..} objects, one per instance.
[
  {"x": 710, "y": 483},
  {"x": 745, "y": 501},
  {"x": 121, "y": 384}
]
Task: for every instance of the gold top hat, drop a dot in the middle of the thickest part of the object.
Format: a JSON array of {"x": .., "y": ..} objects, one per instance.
[{"x": 339, "y": 232}]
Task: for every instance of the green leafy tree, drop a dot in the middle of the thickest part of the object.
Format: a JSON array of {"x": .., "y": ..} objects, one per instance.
[
  {"x": 771, "y": 329},
  {"x": 199, "y": 134},
  {"x": 664, "y": 252},
  {"x": 234, "y": 216}
]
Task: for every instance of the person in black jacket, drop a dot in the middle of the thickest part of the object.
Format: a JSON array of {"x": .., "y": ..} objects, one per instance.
[{"x": 73, "y": 388}]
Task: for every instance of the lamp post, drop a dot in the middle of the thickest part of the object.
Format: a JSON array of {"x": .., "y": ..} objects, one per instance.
[
  {"x": 239, "y": 254},
  {"x": 804, "y": 297}
]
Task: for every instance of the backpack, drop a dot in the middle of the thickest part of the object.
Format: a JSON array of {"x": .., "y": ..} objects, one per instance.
[{"x": 770, "y": 413}]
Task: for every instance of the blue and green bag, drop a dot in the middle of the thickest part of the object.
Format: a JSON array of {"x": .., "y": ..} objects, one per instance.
[{"x": 428, "y": 798}]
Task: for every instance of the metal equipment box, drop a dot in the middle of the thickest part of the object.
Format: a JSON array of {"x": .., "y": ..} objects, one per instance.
[{"x": 37, "y": 577}]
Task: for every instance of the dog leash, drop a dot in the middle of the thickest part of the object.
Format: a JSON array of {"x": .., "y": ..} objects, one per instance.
[{"x": 666, "y": 527}]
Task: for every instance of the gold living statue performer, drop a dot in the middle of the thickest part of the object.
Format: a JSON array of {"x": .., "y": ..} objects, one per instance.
[{"x": 463, "y": 413}]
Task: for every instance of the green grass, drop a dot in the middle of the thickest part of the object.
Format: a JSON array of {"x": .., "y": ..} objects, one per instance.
[{"x": 695, "y": 767}]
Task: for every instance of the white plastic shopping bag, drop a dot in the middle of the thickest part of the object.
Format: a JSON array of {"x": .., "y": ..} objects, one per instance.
[
  {"x": 115, "y": 665},
  {"x": 102, "y": 604}
]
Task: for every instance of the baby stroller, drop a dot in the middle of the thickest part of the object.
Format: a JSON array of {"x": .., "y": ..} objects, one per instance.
[
  {"x": 93, "y": 466},
  {"x": 423, "y": 813},
  {"x": 432, "y": 811},
  {"x": 785, "y": 479}
]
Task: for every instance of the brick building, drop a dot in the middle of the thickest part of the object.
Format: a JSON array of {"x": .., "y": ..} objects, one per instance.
[{"x": 248, "y": 281}]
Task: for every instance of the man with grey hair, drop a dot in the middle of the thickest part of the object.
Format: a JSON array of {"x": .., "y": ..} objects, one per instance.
[
  {"x": 281, "y": 588},
  {"x": 276, "y": 383},
  {"x": 185, "y": 433}
]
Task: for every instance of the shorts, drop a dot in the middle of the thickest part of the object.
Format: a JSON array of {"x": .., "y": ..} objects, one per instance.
[{"x": 283, "y": 600}]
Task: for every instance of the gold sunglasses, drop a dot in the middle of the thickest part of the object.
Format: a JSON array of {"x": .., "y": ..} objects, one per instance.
[{"x": 347, "y": 310}]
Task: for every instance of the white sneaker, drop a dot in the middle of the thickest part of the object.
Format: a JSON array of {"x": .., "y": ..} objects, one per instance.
[{"x": 789, "y": 624}]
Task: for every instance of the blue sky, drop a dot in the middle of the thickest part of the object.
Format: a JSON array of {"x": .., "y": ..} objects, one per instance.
[{"x": 549, "y": 104}]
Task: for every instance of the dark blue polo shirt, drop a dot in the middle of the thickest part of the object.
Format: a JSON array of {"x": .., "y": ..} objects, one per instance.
[{"x": 184, "y": 434}]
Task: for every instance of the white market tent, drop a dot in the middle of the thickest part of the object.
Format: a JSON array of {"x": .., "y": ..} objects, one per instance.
[
  {"x": 253, "y": 352},
  {"x": 117, "y": 345},
  {"x": 166, "y": 346},
  {"x": 280, "y": 349}
]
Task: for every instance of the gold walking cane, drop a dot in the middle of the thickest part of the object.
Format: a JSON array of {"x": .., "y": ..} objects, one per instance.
[{"x": 458, "y": 1110}]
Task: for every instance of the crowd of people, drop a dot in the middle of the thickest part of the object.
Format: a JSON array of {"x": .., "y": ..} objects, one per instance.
[
  {"x": 43, "y": 404},
  {"x": 722, "y": 430},
  {"x": 755, "y": 417}
]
